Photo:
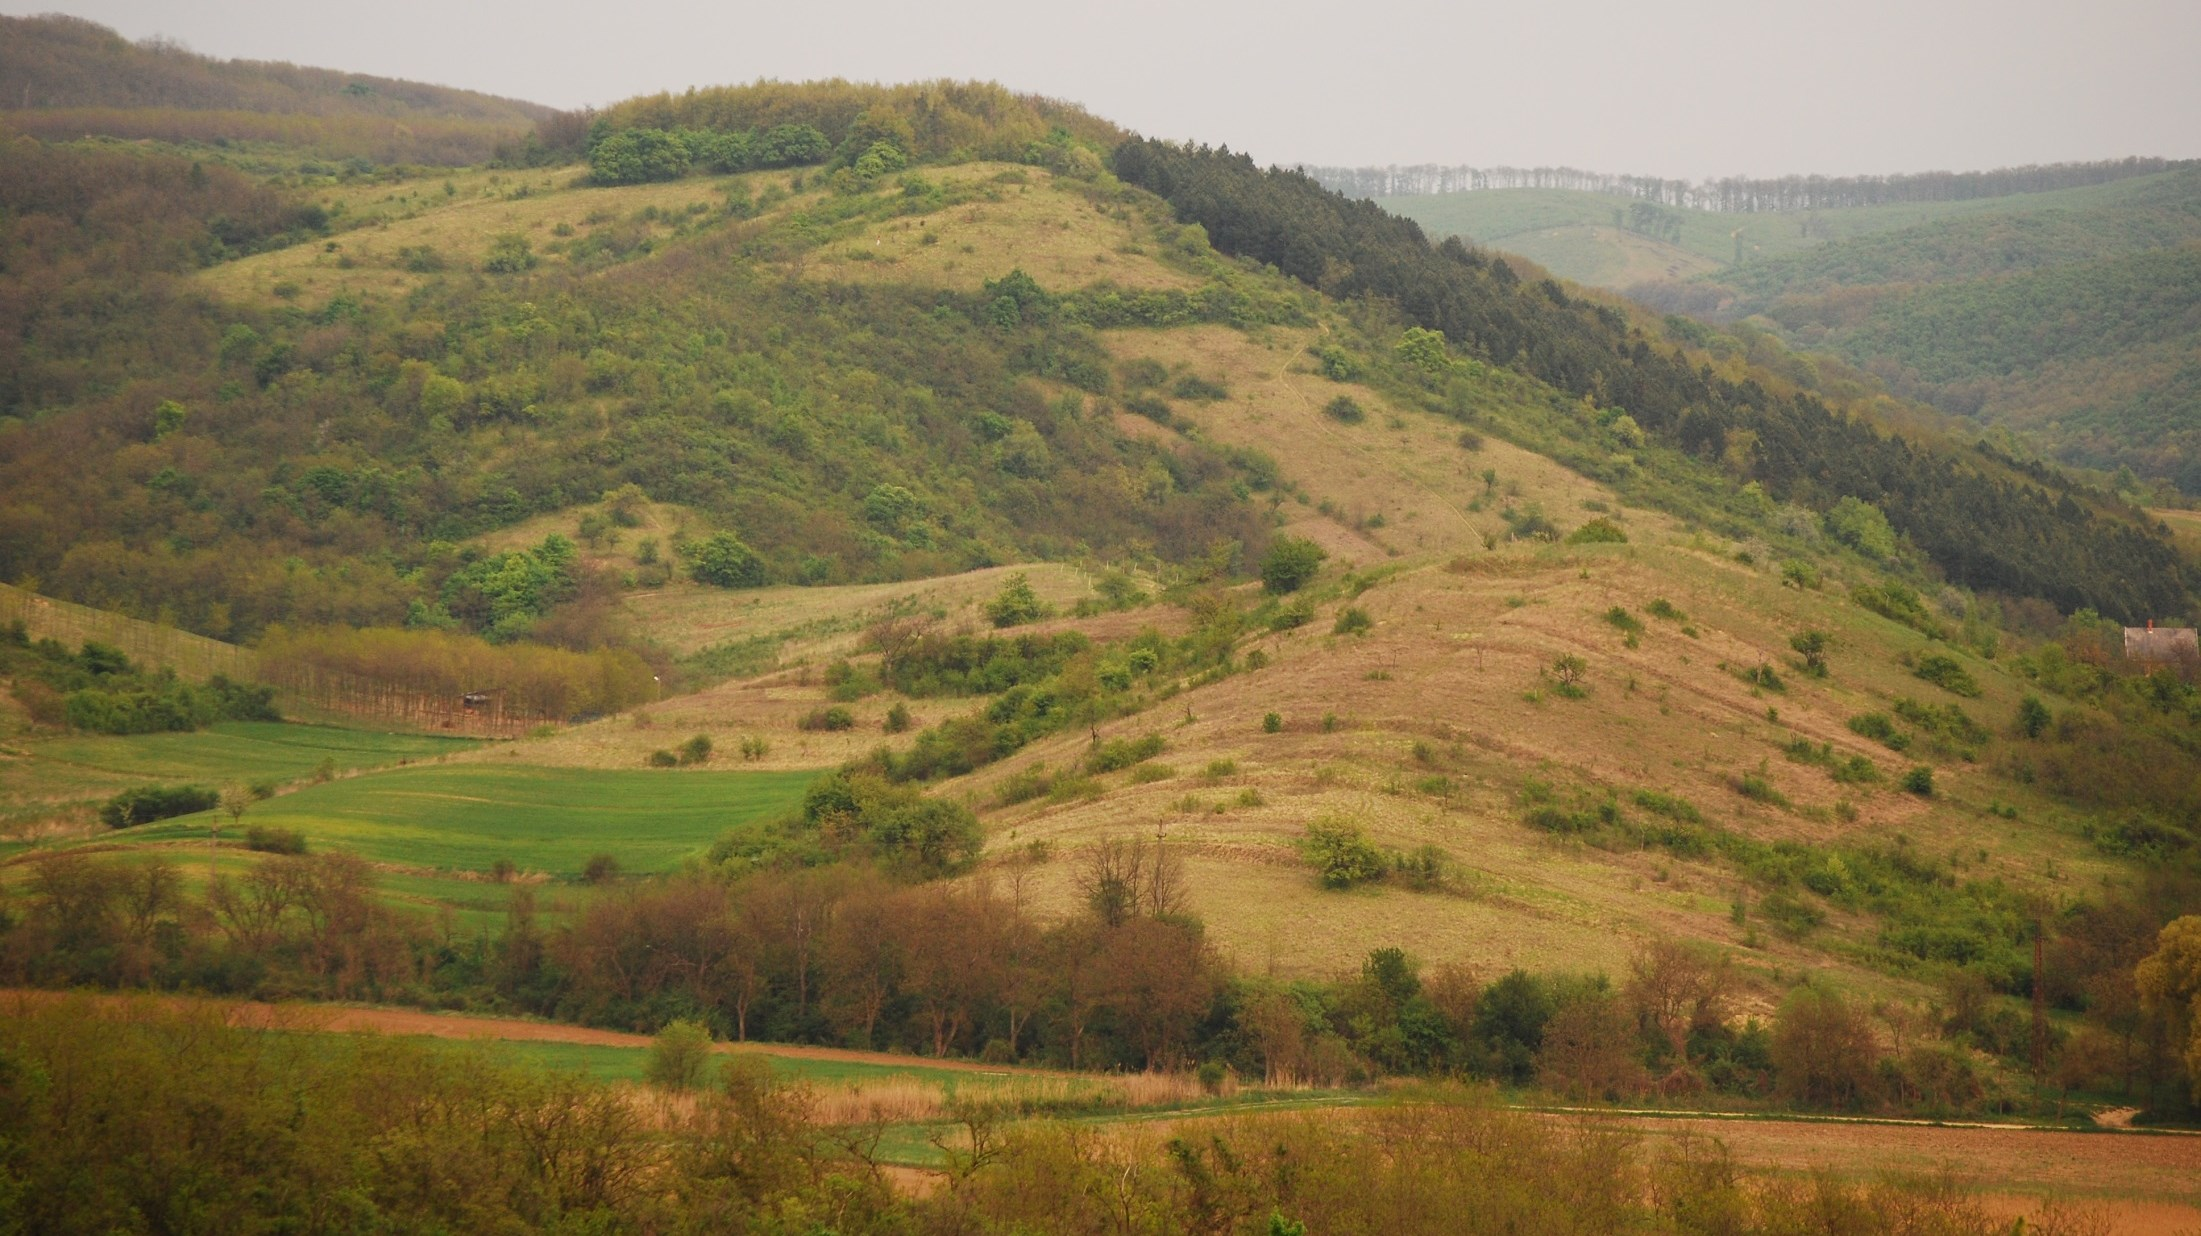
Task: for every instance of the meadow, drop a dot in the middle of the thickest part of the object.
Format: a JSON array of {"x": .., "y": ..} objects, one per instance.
[
  {"x": 58, "y": 780},
  {"x": 469, "y": 817}
]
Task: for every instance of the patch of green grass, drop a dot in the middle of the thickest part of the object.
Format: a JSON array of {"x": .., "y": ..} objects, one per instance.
[
  {"x": 66, "y": 772},
  {"x": 467, "y": 816}
]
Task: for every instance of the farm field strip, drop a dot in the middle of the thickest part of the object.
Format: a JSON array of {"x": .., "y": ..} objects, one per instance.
[{"x": 472, "y": 816}]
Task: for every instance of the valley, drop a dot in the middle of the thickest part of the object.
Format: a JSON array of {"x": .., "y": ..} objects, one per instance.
[{"x": 964, "y": 654}]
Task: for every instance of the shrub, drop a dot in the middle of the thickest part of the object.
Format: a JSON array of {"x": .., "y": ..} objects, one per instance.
[
  {"x": 897, "y": 718},
  {"x": 1878, "y": 727},
  {"x": 1290, "y": 563},
  {"x": 1763, "y": 677},
  {"x": 1345, "y": 410},
  {"x": 1812, "y": 647},
  {"x": 1919, "y": 781},
  {"x": 1623, "y": 621},
  {"x": 1194, "y": 387},
  {"x": 1599, "y": 531},
  {"x": 833, "y": 718},
  {"x": 680, "y": 1057},
  {"x": 1756, "y": 788},
  {"x": 600, "y": 868},
  {"x": 1272, "y": 723},
  {"x": 2033, "y": 718},
  {"x": 755, "y": 747},
  {"x": 268, "y": 840},
  {"x": 725, "y": 561},
  {"x": 1352, "y": 620},
  {"x": 1660, "y": 607},
  {"x": 1119, "y": 753},
  {"x": 1673, "y": 808},
  {"x": 1016, "y": 603},
  {"x": 1569, "y": 670},
  {"x": 663, "y": 759},
  {"x": 1340, "y": 853},
  {"x": 696, "y": 750},
  {"x": 1948, "y": 673},
  {"x": 156, "y": 802}
]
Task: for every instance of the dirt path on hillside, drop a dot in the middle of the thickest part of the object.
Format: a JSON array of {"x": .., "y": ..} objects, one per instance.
[{"x": 367, "y": 1019}]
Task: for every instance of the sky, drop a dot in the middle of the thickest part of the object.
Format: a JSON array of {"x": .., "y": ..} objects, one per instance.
[{"x": 1686, "y": 88}]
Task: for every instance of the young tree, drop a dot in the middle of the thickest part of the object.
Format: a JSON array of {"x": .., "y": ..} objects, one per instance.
[
  {"x": 1824, "y": 1052},
  {"x": 1812, "y": 647},
  {"x": 680, "y": 1056},
  {"x": 1016, "y": 603}
]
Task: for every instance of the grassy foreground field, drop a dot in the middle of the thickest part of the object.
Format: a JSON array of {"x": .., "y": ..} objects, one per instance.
[{"x": 541, "y": 819}]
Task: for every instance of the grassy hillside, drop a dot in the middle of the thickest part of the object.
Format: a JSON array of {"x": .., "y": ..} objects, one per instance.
[
  {"x": 1545, "y": 695},
  {"x": 63, "y": 77}
]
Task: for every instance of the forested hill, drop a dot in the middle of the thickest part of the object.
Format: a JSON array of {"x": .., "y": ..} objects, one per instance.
[
  {"x": 64, "y": 77},
  {"x": 1987, "y": 523}
]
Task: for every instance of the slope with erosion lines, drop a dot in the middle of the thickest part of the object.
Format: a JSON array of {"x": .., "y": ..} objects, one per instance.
[{"x": 1422, "y": 732}]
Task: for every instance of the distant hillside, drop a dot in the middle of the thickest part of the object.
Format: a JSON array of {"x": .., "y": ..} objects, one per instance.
[
  {"x": 2068, "y": 314},
  {"x": 63, "y": 77}
]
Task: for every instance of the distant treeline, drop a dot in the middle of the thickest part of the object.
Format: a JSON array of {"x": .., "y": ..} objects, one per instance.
[
  {"x": 1738, "y": 194},
  {"x": 1986, "y": 521}
]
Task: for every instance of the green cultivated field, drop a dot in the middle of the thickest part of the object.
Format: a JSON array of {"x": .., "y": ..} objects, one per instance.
[
  {"x": 48, "y": 777},
  {"x": 551, "y": 820}
]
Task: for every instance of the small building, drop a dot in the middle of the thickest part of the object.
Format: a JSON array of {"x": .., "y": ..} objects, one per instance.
[{"x": 2154, "y": 645}]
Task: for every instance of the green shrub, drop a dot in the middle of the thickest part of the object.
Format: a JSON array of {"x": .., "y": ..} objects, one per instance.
[
  {"x": 146, "y": 804},
  {"x": 662, "y": 759},
  {"x": 600, "y": 869},
  {"x": 724, "y": 560},
  {"x": 696, "y": 750},
  {"x": 1878, "y": 727},
  {"x": 1340, "y": 853},
  {"x": 1352, "y": 620},
  {"x": 1762, "y": 676},
  {"x": 1599, "y": 531},
  {"x": 1119, "y": 753},
  {"x": 833, "y": 718},
  {"x": 1668, "y": 805},
  {"x": 1919, "y": 781},
  {"x": 1194, "y": 387},
  {"x": 680, "y": 1057},
  {"x": 1756, "y": 788},
  {"x": 897, "y": 718},
  {"x": 268, "y": 840},
  {"x": 1272, "y": 723},
  {"x": 1660, "y": 607},
  {"x": 1345, "y": 410},
  {"x": 1948, "y": 673},
  {"x": 2033, "y": 717},
  {"x": 1016, "y": 603},
  {"x": 1290, "y": 563}
]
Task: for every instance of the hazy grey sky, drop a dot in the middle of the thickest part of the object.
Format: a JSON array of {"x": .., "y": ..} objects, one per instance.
[{"x": 1694, "y": 88}]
